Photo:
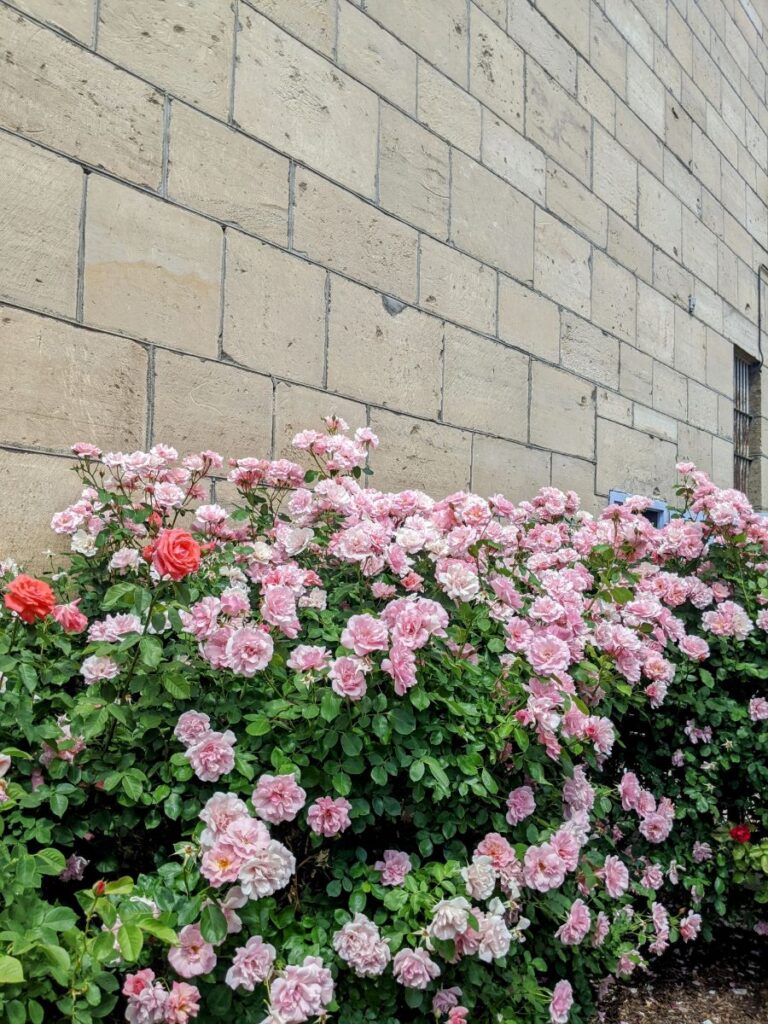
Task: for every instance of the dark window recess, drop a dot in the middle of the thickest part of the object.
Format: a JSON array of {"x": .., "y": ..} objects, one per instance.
[
  {"x": 658, "y": 513},
  {"x": 742, "y": 421}
]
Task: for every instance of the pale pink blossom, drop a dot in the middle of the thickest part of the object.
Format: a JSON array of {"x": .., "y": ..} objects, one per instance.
[
  {"x": 183, "y": 1003},
  {"x": 690, "y": 926},
  {"x": 450, "y": 918},
  {"x": 251, "y": 964},
  {"x": 347, "y": 678},
  {"x": 301, "y": 992},
  {"x": 360, "y": 945},
  {"x": 561, "y": 1003},
  {"x": 445, "y": 1000},
  {"x": 758, "y": 709},
  {"x": 213, "y": 755},
  {"x": 414, "y": 968},
  {"x": 97, "y": 667},
  {"x": 193, "y": 955},
  {"x": 543, "y": 868},
  {"x": 278, "y": 798},
  {"x": 248, "y": 651},
  {"x": 616, "y": 876},
  {"x": 191, "y": 727},
  {"x": 365, "y": 634},
  {"x": 307, "y": 658},
  {"x": 329, "y": 817},
  {"x": 520, "y": 804},
  {"x": 268, "y": 869},
  {"x": 577, "y": 924},
  {"x": 394, "y": 866}
]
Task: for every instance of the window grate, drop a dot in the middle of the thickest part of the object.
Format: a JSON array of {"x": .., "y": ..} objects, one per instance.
[{"x": 742, "y": 423}]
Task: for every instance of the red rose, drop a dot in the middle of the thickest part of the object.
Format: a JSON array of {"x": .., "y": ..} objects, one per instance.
[
  {"x": 741, "y": 833},
  {"x": 31, "y": 599},
  {"x": 176, "y": 554}
]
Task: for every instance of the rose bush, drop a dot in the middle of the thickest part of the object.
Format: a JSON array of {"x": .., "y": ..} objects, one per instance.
[{"x": 339, "y": 752}]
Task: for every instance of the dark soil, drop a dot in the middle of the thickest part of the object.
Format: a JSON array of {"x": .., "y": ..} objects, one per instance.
[{"x": 723, "y": 982}]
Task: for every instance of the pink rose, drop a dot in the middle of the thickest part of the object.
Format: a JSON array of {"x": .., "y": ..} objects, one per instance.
[
  {"x": 562, "y": 1001},
  {"x": 690, "y": 926},
  {"x": 543, "y": 868},
  {"x": 212, "y": 756},
  {"x": 548, "y": 654},
  {"x": 576, "y": 926},
  {"x": 268, "y": 869},
  {"x": 394, "y": 867},
  {"x": 278, "y": 607},
  {"x": 445, "y": 1000},
  {"x": 616, "y": 876},
  {"x": 329, "y": 817},
  {"x": 347, "y": 678},
  {"x": 248, "y": 651},
  {"x": 301, "y": 992},
  {"x": 69, "y": 617},
  {"x": 96, "y": 668},
  {"x": 278, "y": 798},
  {"x": 183, "y": 1003},
  {"x": 401, "y": 666},
  {"x": 360, "y": 945},
  {"x": 191, "y": 727},
  {"x": 520, "y": 804},
  {"x": 306, "y": 658},
  {"x": 193, "y": 955},
  {"x": 364, "y": 634},
  {"x": 251, "y": 964},
  {"x": 414, "y": 968}
]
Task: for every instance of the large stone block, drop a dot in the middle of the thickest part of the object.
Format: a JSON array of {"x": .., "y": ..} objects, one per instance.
[
  {"x": 374, "y": 56},
  {"x": 556, "y": 122},
  {"x": 151, "y": 270},
  {"x": 457, "y": 287},
  {"x": 437, "y": 29},
  {"x": 313, "y": 21},
  {"x": 222, "y": 173},
  {"x": 485, "y": 385},
  {"x": 645, "y": 94},
  {"x": 448, "y": 110},
  {"x": 496, "y": 69},
  {"x": 34, "y": 487},
  {"x": 562, "y": 411},
  {"x": 297, "y": 101},
  {"x": 503, "y": 467},
  {"x": 629, "y": 248},
  {"x": 670, "y": 391},
  {"x": 702, "y": 406},
  {"x": 570, "y": 18},
  {"x": 414, "y": 173},
  {"x": 635, "y": 374},
  {"x": 201, "y": 404},
  {"x": 650, "y": 470},
  {"x": 490, "y": 219},
  {"x": 577, "y": 205},
  {"x": 528, "y": 320},
  {"x": 570, "y": 474},
  {"x": 615, "y": 175},
  {"x": 539, "y": 39},
  {"x": 660, "y": 215},
  {"x": 562, "y": 264},
  {"x": 274, "y": 311},
  {"x": 60, "y": 95},
  {"x": 607, "y": 51},
  {"x": 185, "y": 46},
  {"x": 40, "y": 206},
  {"x": 511, "y": 155},
  {"x": 75, "y": 17},
  {"x": 69, "y": 384},
  {"x": 655, "y": 323},
  {"x": 588, "y": 351},
  {"x": 382, "y": 352},
  {"x": 346, "y": 234},
  {"x": 417, "y": 454}
]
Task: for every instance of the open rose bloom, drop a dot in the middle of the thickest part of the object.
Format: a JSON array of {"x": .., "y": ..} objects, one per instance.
[{"x": 374, "y": 754}]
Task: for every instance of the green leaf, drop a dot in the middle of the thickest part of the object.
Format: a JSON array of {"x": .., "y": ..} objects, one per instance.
[
  {"x": 130, "y": 940},
  {"x": 15, "y": 1013},
  {"x": 11, "y": 971},
  {"x": 103, "y": 948},
  {"x": 120, "y": 887},
  {"x": 330, "y": 705},
  {"x": 59, "y": 958},
  {"x": 176, "y": 685},
  {"x": 119, "y": 594},
  {"x": 260, "y": 726},
  {"x": 342, "y": 783},
  {"x": 351, "y": 743},
  {"x": 151, "y": 651},
  {"x": 403, "y": 720},
  {"x": 160, "y": 931},
  {"x": 132, "y": 787},
  {"x": 213, "y": 924},
  {"x": 357, "y": 902},
  {"x": 59, "y": 804},
  {"x": 416, "y": 771}
]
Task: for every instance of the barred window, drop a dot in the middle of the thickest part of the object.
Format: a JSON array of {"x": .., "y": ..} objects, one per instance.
[{"x": 743, "y": 414}]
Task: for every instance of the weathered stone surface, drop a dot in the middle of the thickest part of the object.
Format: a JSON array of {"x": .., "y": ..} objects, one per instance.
[
  {"x": 69, "y": 384},
  {"x": 274, "y": 311},
  {"x": 635, "y": 374},
  {"x": 496, "y": 65},
  {"x": 220, "y": 172},
  {"x": 344, "y": 233},
  {"x": 200, "y": 403},
  {"x": 588, "y": 351},
  {"x": 562, "y": 267},
  {"x": 378, "y": 352},
  {"x": 573, "y": 202},
  {"x": 39, "y": 224},
  {"x": 437, "y": 29},
  {"x": 295, "y": 100},
  {"x": 578, "y": 475},
  {"x": 34, "y": 487},
  {"x": 75, "y": 17},
  {"x": 186, "y": 46},
  {"x": 485, "y": 385},
  {"x": 448, "y": 110},
  {"x": 151, "y": 270},
  {"x": 313, "y": 21},
  {"x": 528, "y": 320},
  {"x": 502, "y": 467},
  {"x": 614, "y": 297},
  {"x": 418, "y": 454},
  {"x": 556, "y": 122},
  {"x": 298, "y": 408},
  {"x": 490, "y": 219},
  {"x": 655, "y": 323},
  {"x": 562, "y": 411},
  {"x": 511, "y": 155},
  {"x": 537, "y": 37},
  {"x": 60, "y": 95},
  {"x": 615, "y": 175},
  {"x": 457, "y": 287},
  {"x": 373, "y": 55},
  {"x": 650, "y": 470},
  {"x": 414, "y": 172}
]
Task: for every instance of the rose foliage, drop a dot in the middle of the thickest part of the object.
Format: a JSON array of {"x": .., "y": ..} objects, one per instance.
[{"x": 376, "y": 757}]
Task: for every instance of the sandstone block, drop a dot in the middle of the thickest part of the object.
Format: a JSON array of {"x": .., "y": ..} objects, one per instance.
[
  {"x": 437, "y": 29},
  {"x": 418, "y": 454},
  {"x": 562, "y": 411},
  {"x": 588, "y": 351},
  {"x": 650, "y": 470},
  {"x": 528, "y": 320},
  {"x": 414, "y": 173},
  {"x": 635, "y": 374},
  {"x": 457, "y": 287},
  {"x": 374, "y": 56},
  {"x": 151, "y": 270},
  {"x": 298, "y": 408},
  {"x": 582, "y": 209},
  {"x": 379, "y": 352},
  {"x": 448, "y": 110},
  {"x": 75, "y": 17},
  {"x": 485, "y": 385},
  {"x": 496, "y": 69},
  {"x": 556, "y": 122},
  {"x": 34, "y": 487},
  {"x": 702, "y": 406},
  {"x": 670, "y": 391},
  {"x": 562, "y": 264},
  {"x": 615, "y": 175},
  {"x": 274, "y": 311},
  {"x": 514, "y": 470},
  {"x": 655, "y": 323},
  {"x": 660, "y": 215},
  {"x": 511, "y": 155},
  {"x": 313, "y": 21}
]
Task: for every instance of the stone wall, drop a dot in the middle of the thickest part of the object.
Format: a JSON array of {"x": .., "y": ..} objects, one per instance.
[{"x": 518, "y": 239}]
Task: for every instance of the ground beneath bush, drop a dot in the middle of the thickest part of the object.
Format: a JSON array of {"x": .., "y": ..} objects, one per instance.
[{"x": 725, "y": 982}]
